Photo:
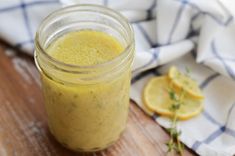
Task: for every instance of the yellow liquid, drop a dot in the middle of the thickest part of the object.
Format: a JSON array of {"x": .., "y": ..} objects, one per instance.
[
  {"x": 85, "y": 48},
  {"x": 86, "y": 117}
]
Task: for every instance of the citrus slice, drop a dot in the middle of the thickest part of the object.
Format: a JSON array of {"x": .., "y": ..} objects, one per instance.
[
  {"x": 157, "y": 99},
  {"x": 183, "y": 81}
]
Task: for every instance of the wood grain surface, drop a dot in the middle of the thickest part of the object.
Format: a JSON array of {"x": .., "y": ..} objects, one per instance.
[{"x": 23, "y": 121}]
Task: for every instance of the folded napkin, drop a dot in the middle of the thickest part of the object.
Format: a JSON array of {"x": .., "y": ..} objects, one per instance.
[{"x": 197, "y": 34}]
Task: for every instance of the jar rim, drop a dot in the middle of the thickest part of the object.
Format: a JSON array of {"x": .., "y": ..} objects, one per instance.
[{"x": 72, "y": 8}]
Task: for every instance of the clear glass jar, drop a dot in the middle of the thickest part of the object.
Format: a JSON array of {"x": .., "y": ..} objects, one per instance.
[{"x": 87, "y": 106}]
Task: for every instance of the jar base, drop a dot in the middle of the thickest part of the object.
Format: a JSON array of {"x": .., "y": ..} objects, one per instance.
[{"x": 81, "y": 150}]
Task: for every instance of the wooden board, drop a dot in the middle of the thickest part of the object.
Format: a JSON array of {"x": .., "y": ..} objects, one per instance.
[{"x": 23, "y": 121}]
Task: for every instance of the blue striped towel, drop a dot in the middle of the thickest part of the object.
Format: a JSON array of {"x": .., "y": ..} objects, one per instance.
[{"x": 198, "y": 34}]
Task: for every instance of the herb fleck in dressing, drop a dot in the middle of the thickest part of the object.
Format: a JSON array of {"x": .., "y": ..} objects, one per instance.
[{"x": 86, "y": 117}]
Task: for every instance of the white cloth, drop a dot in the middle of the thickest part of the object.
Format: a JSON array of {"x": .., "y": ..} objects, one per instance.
[{"x": 187, "y": 33}]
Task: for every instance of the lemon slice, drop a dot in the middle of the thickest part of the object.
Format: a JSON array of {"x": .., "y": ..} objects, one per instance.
[
  {"x": 156, "y": 98},
  {"x": 182, "y": 81}
]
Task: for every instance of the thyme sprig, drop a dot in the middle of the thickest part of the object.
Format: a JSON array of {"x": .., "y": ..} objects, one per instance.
[{"x": 174, "y": 145}]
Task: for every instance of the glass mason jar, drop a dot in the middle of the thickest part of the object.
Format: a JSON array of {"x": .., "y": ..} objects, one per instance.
[{"x": 87, "y": 106}]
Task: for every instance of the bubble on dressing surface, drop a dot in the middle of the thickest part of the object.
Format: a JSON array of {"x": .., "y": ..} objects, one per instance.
[{"x": 85, "y": 47}]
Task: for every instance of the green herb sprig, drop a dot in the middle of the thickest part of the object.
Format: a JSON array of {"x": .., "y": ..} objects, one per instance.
[{"x": 174, "y": 145}]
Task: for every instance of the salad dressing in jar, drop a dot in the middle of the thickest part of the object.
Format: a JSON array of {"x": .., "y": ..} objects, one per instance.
[{"x": 84, "y": 54}]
